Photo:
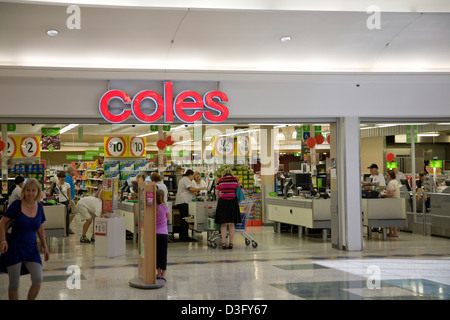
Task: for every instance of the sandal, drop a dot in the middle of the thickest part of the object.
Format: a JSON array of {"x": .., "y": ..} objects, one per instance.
[
  {"x": 224, "y": 246},
  {"x": 230, "y": 246}
]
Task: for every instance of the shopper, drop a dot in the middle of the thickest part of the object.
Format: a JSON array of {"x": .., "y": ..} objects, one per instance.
[
  {"x": 393, "y": 191},
  {"x": 162, "y": 234},
  {"x": 185, "y": 194},
  {"x": 227, "y": 210},
  {"x": 71, "y": 172},
  {"x": 198, "y": 181},
  {"x": 16, "y": 190},
  {"x": 65, "y": 196},
  {"x": 424, "y": 185},
  {"x": 20, "y": 253},
  {"x": 399, "y": 175},
  {"x": 375, "y": 178},
  {"x": 89, "y": 208},
  {"x": 141, "y": 177},
  {"x": 160, "y": 185}
]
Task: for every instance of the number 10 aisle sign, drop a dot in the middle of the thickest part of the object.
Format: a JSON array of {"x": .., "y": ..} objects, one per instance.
[{"x": 124, "y": 146}]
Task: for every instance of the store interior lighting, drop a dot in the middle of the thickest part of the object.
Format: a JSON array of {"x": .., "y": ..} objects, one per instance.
[
  {"x": 281, "y": 137},
  {"x": 67, "y": 128},
  {"x": 428, "y": 134},
  {"x": 148, "y": 134},
  {"x": 52, "y": 32}
]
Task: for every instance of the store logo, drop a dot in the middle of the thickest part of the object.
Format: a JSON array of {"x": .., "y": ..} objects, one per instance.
[{"x": 209, "y": 106}]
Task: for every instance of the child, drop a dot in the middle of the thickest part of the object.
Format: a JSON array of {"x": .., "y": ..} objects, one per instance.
[{"x": 162, "y": 215}]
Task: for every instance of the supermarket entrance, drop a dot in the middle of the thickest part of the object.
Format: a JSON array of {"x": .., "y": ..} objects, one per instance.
[
  {"x": 417, "y": 153},
  {"x": 279, "y": 165}
]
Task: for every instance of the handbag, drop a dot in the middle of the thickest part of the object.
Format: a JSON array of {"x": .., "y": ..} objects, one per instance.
[
  {"x": 11, "y": 222},
  {"x": 240, "y": 194},
  {"x": 8, "y": 229},
  {"x": 60, "y": 190}
]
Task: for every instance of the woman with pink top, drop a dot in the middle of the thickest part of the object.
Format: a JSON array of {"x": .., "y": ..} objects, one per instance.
[
  {"x": 227, "y": 211},
  {"x": 162, "y": 215}
]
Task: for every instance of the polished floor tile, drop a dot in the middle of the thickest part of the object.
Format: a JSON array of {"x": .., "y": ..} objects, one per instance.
[{"x": 282, "y": 267}]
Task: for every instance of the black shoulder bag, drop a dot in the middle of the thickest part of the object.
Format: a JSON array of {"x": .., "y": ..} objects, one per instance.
[{"x": 11, "y": 222}]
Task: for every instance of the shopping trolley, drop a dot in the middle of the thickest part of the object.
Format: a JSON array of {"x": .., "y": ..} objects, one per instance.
[{"x": 248, "y": 206}]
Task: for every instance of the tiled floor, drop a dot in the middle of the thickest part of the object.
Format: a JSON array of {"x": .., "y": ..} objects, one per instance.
[{"x": 282, "y": 267}]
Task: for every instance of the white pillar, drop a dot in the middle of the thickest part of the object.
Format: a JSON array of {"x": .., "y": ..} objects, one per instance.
[
  {"x": 4, "y": 158},
  {"x": 349, "y": 183}
]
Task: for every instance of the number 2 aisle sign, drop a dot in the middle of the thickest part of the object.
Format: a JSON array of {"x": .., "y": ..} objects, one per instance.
[
  {"x": 11, "y": 147},
  {"x": 25, "y": 147},
  {"x": 124, "y": 146}
]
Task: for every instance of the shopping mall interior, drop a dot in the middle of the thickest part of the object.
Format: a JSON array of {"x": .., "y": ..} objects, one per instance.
[
  {"x": 333, "y": 116},
  {"x": 288, "y": 261}
]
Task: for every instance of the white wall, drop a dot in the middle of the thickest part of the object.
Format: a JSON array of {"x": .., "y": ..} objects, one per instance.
[{"x": 250, "y": 96}]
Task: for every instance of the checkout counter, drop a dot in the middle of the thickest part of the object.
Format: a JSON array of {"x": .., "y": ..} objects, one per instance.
[
  {"x": 306, "y": 208},
  {"x": 440, "y": 211},
  {"x": 381, "y": 212},
  {"x": 199, "y": 212},
  {"x": 300, "y": 211}
]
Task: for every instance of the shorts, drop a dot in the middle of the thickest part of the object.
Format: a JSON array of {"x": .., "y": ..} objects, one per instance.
[
  {"x": 84, "y": 213},
  {"x": 72, "y": 208}
]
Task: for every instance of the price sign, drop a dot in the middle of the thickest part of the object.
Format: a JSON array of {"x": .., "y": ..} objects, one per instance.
[
  {"x": 137, "y": 147},
  {"x": 223, "y": 146},
  {"x": 115, "y": 146},
  {"x": 29, "y": 147},
  {"x": 11, "y": 147},
  {"x": 243, "y": 146}
]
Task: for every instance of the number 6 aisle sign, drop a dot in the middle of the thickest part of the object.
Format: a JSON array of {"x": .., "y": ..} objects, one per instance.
[
  {"x": 116, "y": 146},
  {"x": 137, "y": 146}
]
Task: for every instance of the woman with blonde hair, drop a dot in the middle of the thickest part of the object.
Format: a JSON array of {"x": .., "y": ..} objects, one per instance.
[{"x": 20, "y": 252}]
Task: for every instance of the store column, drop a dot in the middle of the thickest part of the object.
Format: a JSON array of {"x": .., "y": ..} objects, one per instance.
[
  {"x": 161, "y": 164},
  {"x": 4, "y": 161},
  {"x": 349, "y": 184},
  {"x": 267, "y": 158}
]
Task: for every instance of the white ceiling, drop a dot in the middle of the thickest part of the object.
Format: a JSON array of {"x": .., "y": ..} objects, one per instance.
[{"x": 236, "y": 40}]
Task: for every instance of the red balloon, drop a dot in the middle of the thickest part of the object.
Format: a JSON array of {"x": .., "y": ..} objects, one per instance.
[
  {"x": 328, "y": 139},
  {"x": 320, "y": 139},
  {"x": 2, "y": 145},
  {"x": 390, "y": 156},
  {"x": 161, "y": 144},
  {"x": 169, "y": 141},
  {"x": 311, "y": 142}
]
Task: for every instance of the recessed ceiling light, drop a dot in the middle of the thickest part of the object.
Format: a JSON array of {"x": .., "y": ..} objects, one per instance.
[
  {"x": 285, "y": 39},
  {"x": 428, "y": 134},
  {"x": 52, "y": 32}
]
